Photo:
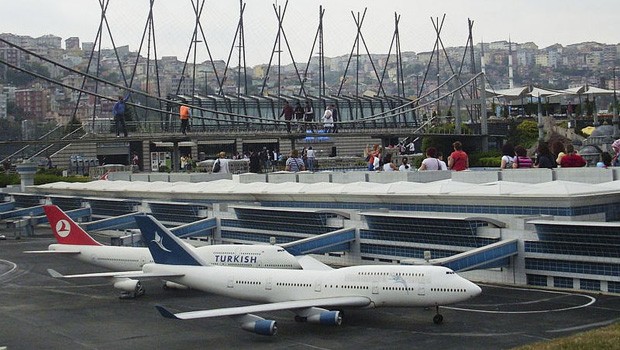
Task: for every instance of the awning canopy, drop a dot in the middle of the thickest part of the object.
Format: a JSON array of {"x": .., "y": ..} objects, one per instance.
[{"x": 533, "y": 91}]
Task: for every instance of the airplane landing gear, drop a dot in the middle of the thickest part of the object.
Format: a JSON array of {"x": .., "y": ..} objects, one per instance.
[{"x": 438, "y": 319}]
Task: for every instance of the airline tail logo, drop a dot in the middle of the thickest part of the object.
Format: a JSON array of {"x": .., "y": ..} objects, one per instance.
[
  {"x": 63, "y": 228},
  {"x": 160, "y": 242}
]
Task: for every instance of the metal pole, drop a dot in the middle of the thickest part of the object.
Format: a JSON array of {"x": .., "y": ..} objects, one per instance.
[
  {"x": 541, "y": 132},
  {"x": 615, "y": 117}
]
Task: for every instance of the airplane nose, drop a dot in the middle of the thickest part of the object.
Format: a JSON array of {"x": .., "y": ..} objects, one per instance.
[{"x": 474, "y": 290}]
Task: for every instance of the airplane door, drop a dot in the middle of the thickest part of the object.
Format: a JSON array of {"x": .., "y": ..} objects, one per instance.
[
  {"x": 375, "y": 288},
  {"x": 231, "y": 282},
  {"x": 317, "y": 286},
  {"x": 268, "y": 284},
  {"x": 421, "y": 291}
]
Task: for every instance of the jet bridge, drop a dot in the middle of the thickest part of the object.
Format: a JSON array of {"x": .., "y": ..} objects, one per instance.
[
  {"x": 492, "y": 255},
  {"x": 338, "y": 240}
]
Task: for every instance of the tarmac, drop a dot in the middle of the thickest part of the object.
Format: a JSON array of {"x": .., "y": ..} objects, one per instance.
[{"x": 40, "y": 312}]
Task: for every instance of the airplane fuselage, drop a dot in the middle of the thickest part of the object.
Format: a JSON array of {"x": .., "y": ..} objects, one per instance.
[
  {"x": 384, "y": 285},
  {"x": 133, "y": 258}
]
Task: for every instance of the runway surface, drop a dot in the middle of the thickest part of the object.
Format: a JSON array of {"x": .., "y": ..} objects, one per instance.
[{"x": 40, "y": 312}]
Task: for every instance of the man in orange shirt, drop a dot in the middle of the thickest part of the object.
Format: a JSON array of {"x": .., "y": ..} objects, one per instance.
[{"x": 184, "y": 115}]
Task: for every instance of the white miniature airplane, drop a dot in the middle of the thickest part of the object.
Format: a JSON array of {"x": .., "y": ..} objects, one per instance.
[
  {"x": 307, "y": 293},
  {"x": 75, "y": 242}
]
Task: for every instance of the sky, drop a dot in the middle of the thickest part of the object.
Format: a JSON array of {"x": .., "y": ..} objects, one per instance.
[{"x": 544, "y": 22}]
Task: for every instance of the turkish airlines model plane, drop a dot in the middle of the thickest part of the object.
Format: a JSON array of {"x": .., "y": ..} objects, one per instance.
[
  {"x": 308, "y": 293},
  {"x": 75, "y": 242}
]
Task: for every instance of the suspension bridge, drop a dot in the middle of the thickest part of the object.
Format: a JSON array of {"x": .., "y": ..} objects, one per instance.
[{"x": 236, "y": 120}]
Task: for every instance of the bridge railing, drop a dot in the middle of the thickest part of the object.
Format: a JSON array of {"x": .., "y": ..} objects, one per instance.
[{"x": 159, "y": 128}]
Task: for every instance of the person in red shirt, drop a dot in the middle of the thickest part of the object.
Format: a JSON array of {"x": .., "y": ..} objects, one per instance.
[
  {"x": 287, "y": 112},
  {"x": 458, "y": 160},
  {"x": 571, "y": 159}
]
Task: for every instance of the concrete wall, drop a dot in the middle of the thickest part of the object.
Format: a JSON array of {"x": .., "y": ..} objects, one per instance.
[
  {"x": 280, "y": 177},
  {"x": 475, "y": 177},
  {"x": 586, "y": 175},
  {"x": 589, "y": 175},
  {"x": 531, "y": 176}
]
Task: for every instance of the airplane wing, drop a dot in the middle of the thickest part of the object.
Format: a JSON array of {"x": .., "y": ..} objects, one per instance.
[
  {"x": 123, "y": 274},
  {"x": 284, "y": 305},
  {"x": 309, "y": 263},
  {"x": 52, "y": 252}
]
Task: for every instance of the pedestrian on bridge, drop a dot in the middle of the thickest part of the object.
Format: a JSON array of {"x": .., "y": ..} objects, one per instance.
[
  {"x": 328, "y": 120},
  {"x": 287, "y": 112},
  {"x": 299, "y": 117},
  {"x": 309, "y": 117},
  {"x": 119, "y": 114},
  {"x": 184, "y": 115}
]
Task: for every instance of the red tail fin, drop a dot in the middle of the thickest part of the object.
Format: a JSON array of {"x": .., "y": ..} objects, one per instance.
[{"x": 65, "y": 229}]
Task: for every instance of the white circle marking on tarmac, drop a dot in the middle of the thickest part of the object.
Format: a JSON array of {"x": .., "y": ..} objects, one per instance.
[
  {"x": 8, "y": 263},
  {"x": 591, "y": 300}
]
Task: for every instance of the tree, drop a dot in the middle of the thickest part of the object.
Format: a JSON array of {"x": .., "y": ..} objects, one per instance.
[{"x": 527, "y": 133}]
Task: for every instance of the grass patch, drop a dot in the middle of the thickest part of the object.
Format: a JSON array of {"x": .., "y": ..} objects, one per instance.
[{"x": 606, "y": 338}]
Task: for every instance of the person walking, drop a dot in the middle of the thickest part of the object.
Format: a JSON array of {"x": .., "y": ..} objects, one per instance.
[
  {"x": 335, "y": 115},
  {"x": 328, "y": 120},
  {"x": 287, "y": 112},
  {"x": 184, "y": 115},
  {"x": 309, "y": 117},
  {"x": 299, "y": 117},
  {"x": 311, "y": 155},
  {"x": 221, "y": 164},
  {"x": 119, "y": 114}
]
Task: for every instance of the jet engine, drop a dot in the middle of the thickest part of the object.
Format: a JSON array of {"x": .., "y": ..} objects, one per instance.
[
  {"x": 326, "y": 318},
  {"x": 130, "y": 288},
  {"x": 262, "y": 327}
]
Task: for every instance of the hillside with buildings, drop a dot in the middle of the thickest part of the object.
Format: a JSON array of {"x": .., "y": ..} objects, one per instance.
[{"x": 24, "y": 97}]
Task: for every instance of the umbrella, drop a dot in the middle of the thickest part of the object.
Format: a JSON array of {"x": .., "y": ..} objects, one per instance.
[{"x": 588, "y": 130}]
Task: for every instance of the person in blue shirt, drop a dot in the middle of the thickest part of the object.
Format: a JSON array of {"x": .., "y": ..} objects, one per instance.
[{"x": 119, "y": 114}]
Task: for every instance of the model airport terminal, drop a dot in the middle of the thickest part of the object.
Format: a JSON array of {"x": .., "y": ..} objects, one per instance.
[{"x": 554, "y": 228}]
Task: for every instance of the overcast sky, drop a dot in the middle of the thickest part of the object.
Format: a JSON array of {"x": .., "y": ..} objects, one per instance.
[{"x": 544, "y": 22}]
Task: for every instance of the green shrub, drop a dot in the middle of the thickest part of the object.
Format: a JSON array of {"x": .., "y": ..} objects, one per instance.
[
  {"x": 491, "y": 158},
  {"x": 489, "y": 162},
  {"x": 41, "y": 179},
  {"x": 9, "y": 179},
  {"x": 52, "y": 171}
]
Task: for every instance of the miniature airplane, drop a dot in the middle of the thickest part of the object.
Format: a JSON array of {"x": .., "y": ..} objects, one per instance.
[
  {"x": 74, "y": 241},
  {"x": 310, "y": 294}
]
